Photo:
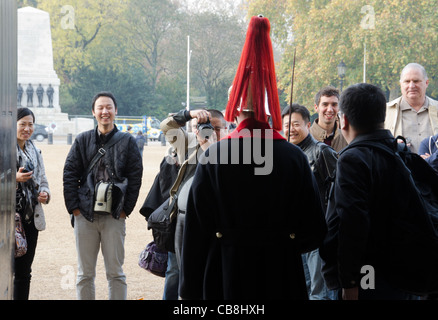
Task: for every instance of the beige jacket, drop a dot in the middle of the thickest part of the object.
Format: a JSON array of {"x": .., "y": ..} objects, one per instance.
[
  {"x": 338, "y": 142},
  {"x": 186, "y": 147},
  {"x": 393, "y": 119},
  {"x": 182, "y": 141}
]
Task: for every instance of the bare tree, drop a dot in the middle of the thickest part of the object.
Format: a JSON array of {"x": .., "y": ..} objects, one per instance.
[
  {"x": 149, "y": 29},
  {"x": 217, "y": 42}
]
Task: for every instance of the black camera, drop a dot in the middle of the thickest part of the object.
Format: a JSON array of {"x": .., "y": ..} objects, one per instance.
[
  {"x": 205, "y": 130},
  {"x": 28, "y": 167}
]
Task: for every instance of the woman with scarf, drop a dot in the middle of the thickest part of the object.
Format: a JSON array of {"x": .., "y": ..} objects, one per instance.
[{"x": 32, "y": 191}]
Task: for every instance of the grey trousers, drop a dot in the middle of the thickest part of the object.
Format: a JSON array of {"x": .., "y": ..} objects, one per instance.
[{"x": 109, "y": 234}]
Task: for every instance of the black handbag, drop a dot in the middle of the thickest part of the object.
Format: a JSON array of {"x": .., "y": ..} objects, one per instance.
[{"x": 163, "y": 223}]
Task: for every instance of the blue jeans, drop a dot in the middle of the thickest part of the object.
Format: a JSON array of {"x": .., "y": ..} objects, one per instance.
[
  {"x": 171, "y": 283},
  {"x": 316, "y": 286}
]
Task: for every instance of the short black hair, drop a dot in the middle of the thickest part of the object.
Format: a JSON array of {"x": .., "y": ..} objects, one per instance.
[
  {"x": 219, "y": 115},
  {"x": 104, "y": 94},
  {"x": 297, "y": 108},
  {"x": 365, "y": 107},
  {"x": 24, "y": 112},
  {"x": 328, "y": 91}
]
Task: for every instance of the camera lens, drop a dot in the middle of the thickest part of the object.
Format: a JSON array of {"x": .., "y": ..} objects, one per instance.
[{"x": 205, "y": 130}]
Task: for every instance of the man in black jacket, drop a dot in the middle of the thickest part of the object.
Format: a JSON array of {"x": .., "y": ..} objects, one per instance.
[
  {"x": 322, "y": 159},
  {"x": 121, "y": 169},
  {"x": 367, "y": 190}
]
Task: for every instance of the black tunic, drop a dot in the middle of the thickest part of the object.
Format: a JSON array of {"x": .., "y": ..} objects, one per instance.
[{"x": 245, "y": 229}]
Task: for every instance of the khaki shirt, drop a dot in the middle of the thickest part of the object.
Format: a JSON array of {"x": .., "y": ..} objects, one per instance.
[
  {"x": 415, "y": 125},
  {"x": 404, "y": 121}
]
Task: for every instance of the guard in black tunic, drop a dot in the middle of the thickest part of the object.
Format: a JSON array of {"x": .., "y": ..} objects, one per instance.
[{"x": 254, "y": 205}]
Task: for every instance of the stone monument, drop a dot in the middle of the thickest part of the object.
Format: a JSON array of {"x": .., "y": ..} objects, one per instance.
[
  {"x": 35, "y": 56},
  {"x": 38, "y": 84}
]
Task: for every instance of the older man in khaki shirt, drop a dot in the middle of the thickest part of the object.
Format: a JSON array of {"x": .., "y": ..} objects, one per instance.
[{"x": 413, "y": 115}]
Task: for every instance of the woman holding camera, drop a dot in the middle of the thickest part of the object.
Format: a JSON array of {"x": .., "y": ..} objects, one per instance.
[{"x": 32, "y": 191}]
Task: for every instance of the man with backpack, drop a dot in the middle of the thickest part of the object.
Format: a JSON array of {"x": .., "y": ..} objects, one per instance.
[{"x": 369, "y": 190}]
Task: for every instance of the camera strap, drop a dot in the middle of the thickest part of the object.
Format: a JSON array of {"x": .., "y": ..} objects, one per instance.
[{"x": 102, "y": 151}]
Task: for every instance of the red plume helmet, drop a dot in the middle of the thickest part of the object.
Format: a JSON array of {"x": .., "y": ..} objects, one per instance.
[{"x": 255, "y": 77}]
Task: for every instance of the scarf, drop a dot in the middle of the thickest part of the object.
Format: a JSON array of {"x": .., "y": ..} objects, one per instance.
[{"x": 27, "y": 192}]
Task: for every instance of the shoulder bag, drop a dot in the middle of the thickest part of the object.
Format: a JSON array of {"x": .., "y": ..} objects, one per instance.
[
  {"x": 103, "y": 189},
  {"x": 20, "y": 237}
]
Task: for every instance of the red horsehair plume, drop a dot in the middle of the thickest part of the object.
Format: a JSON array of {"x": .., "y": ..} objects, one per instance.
[{"x": 255, "y": 77}]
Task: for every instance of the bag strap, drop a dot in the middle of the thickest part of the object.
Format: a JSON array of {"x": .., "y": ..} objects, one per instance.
[
  {"x": 398, "y": 151},
  {"x": 102, "y": 151}
]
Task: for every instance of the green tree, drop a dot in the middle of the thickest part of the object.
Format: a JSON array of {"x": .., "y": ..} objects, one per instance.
[
  {"x": 170, "y": 94},
  {"x": 216, "y": 44},
  {"x": 139, "y": 48},
  {"x": 148, "y": 30},
  {"x": 324, "y": 32},
  {"x": 25, "y": 3},
  {"x": 77, "y": 27},
  {"x": 128, "y": 85}
]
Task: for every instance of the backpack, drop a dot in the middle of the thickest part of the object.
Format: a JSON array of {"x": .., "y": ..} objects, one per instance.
[{"x": 409, "y": 259}]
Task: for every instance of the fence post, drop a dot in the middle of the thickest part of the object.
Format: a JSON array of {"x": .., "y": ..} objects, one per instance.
[{"x": 70, "y": 139}]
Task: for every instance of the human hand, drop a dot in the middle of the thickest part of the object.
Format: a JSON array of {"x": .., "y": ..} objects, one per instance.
[
  {"x": 425, "y": 156},
  {"x": 23, "y": 176},
  {"x": 43, "y": 197},
  {"x": 201, "y": 115}
]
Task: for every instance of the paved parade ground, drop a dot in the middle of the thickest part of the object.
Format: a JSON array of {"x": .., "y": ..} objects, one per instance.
[{"x": 55, "y": 266}]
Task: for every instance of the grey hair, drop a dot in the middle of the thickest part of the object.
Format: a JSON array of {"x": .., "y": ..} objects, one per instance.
[{"x": 417, "y": 66}]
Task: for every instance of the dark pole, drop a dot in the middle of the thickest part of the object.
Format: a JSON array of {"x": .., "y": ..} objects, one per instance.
[{"x": 342, "y": 69}]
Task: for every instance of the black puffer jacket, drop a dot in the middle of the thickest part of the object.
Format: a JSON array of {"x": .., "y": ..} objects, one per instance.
[{"x": 124, "y": 166}]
